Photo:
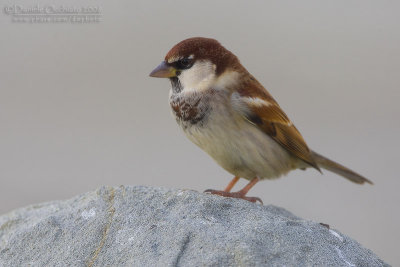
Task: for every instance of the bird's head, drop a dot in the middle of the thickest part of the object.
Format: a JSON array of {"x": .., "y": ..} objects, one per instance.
[{"x": 196, "y": 63}]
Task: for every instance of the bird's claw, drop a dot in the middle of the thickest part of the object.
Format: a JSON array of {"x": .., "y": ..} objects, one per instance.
[{"x": 234, "y": 195}]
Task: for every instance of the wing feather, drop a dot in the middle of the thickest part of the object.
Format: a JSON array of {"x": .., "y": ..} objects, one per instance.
[{"x": 260, "y": 109}]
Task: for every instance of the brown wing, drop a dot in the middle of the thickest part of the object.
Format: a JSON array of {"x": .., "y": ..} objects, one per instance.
[{"x": 258, "y": 107}]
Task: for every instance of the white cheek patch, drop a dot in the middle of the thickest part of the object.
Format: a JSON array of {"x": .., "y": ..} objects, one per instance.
[
  {"x": 199, "y": 76},
  {"x": 227, "y": 80}
]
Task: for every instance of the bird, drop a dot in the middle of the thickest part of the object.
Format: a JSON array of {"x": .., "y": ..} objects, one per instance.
[{"x": 226, "y": 112}]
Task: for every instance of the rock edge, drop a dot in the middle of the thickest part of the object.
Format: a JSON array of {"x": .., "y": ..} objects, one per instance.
[{"x": 147, "y": 226}]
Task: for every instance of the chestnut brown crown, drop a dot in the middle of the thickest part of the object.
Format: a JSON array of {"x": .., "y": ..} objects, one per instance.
[{"x": 200, "y": 48}]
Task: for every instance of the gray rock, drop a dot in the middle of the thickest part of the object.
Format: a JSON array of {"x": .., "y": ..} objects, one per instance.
[{"x": 145, "y": 226}]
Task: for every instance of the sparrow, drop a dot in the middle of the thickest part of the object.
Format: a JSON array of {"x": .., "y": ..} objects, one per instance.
[{"x": 225, "y": 111}]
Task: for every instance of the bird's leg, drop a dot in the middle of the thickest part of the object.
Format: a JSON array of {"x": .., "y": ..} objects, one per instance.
[
  {"x": 249, "y": 186},
  {"x": 239, "y": 194},
  {"x": 231, "y": 184}
]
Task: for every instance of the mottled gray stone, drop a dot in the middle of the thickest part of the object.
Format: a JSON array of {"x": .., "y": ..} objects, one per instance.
[{"x": 145, "y": 226}]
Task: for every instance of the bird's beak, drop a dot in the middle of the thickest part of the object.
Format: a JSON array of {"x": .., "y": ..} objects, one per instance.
[{"x": 163, "y": 71}]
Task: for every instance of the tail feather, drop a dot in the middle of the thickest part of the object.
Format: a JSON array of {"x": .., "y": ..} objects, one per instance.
[{"x": 337, "y": 168}]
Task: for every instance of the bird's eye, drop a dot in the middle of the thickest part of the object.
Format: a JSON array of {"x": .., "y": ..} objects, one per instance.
[{"x": 184, "y": 63}]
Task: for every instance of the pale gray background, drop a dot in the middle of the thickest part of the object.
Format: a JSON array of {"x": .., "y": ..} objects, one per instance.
[{"x": 78, "y": 110}]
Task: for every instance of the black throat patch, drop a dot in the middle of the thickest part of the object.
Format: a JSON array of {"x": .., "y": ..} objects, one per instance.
[
  {"x": 176, "y": 84},
  {"x": 190, "y": 110}
]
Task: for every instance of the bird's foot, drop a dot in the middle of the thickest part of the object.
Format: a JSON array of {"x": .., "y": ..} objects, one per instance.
[{"x": 238, "y": 194}]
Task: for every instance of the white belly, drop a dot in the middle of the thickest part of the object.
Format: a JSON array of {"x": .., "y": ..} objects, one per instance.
[{"x": 239, "y": 147}]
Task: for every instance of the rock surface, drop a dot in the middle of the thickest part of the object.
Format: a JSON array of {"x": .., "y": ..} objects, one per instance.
[{"x": 145, "y": 226}]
